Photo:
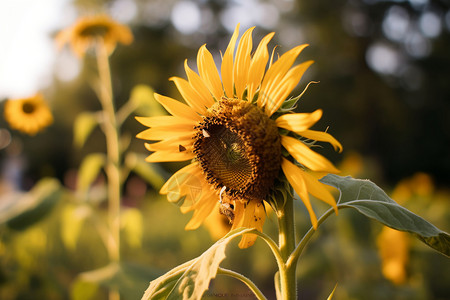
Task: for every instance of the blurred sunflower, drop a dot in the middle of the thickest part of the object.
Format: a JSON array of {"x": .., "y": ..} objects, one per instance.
[
  {"x": 234, "y": 131},
  {"x": 29, "y": 115},
  {"x": 91, "y": 30}
]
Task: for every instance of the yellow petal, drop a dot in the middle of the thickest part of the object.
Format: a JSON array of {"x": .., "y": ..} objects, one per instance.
[
  {"x": 166, "y": 156},
  {"x": 278, "y": 94},
  {"x": 227, "y": 65},
  {"x": 190, "y": 95},
  {"x": 208, "y": 72},
  {"x": 163, "y": 121},
  {"x": 319, "y": 190},
  {"x": 304, "y": 155},
  {"x": 203, "y": 208},
  {"x": 165, "y": 132},
  {"x": 199, "y": 86},
  {"x": 323, "y": 137},
  {"x": 249, "y": 215},
  {"x": 276, "y": 73},
  {"x": 176, "y": 108},
  {"x": 295, "y": 177},
  {"x": 258, "y": 66},
  {"x": 173, "y": 144},
  {"x": 298, "y": 122},
  {"x": 242, "y": 62},
  {"x": 185, "y": 182}
]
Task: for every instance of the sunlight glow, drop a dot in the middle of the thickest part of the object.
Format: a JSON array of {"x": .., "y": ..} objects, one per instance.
[{"x": 28, "y": 51}]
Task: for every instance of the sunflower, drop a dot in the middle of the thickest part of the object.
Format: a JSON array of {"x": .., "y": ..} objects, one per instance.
[
  {"x": 90, "y": 30},
  {"x": 238, "y": 136},
  {"x": 29, "y": 115}
]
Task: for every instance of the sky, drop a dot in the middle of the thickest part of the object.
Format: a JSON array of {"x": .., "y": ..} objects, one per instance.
[{"x": 28, "y": 52}]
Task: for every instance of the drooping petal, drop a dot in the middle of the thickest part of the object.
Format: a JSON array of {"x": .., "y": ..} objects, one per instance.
[
  {"x": 209, "y": 73},
  {"x": 278, "y": 94},
  {"x": 322, "y": 137},
  {"x": 242, "y": 62},
  {"x": 199, "y": 86},
  {"x": 276, "y": 73},
  {"x": 298, "y": 122},
  {"x": 227, "y": 65},
  {"x": 258, "y": 66},
  {"x": 176, "y": 108},
  {"x": 249, "y": 215},
  {"x": 304, "y": 155},
  {"x": 319, "y": 190},
  {"x": 202, "y": 209},
  {"x": 295, "y": 177},
  {"x": 185, "y": 182},
  {"x": 190, "y": 95}
]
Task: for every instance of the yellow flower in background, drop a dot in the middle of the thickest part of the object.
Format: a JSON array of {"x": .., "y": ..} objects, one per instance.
[
  {"x": 393, "y": 247},
  {"x": 29, "y": 115},
  {"x": 91, "y": 30},
  {"x": 234, "y": 131}
]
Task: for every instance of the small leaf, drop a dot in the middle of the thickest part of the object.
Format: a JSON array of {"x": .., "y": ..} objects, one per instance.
[
  {"x": 142, "y": 96},
  {"x": 83, "y": 290},
  {"x": 149, "y": 172},
  {"x": 371, "y": 201},
  {"x": 132, "y": 224},
  {"x": 194, "y": 276},
  {"x": 30, "y": 207},
  {"x": 72, "y": 219},
  {"x": 89, "y": 170},
  {"x": 83, "y": 126},
  {"x": 332, "y": 293}
]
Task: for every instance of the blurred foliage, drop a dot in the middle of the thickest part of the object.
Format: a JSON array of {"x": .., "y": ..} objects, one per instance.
[{"x": 389, "y": 109}]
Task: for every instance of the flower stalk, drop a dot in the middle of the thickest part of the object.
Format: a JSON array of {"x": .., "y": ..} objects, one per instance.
[
  {"x": 287, "y": 273},
  {"x": 112, "y": 170}
]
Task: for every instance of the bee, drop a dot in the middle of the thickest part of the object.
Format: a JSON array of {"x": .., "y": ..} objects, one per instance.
[{"x": 225, "y": 208}]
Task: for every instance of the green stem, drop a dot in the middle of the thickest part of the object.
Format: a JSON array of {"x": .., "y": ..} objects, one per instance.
[
  {"x": 287, "y": 274},
  {"x": 293, "y": 258},
  {"x": 259, "y": 295},
  {"x": 113, "y": 154}
]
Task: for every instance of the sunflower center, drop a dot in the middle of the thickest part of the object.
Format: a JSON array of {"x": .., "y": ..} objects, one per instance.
[
  {"x": 238, "y": 147},
  {"x": 96, "y": 30},
  {"x": 28, "y": 107}
]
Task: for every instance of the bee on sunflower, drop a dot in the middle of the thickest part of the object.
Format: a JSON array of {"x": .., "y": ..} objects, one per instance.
[
  {"x": 240, "y": 134},
  {"x": 29, "y": 115}
]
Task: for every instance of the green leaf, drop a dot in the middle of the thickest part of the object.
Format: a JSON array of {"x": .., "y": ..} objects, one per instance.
[
  {"x": 127, "y": 278},
  {"x": 132, "y": 225},
  {"x": 142, "y": 96},
  {"x": 83, "y": 290},
  {"x": 373, "y": 202},
  {"x": 83, "y": 126},
  {"x": 72, "y": 220},
  {"x": 89, "y": 170},
  {"x": 149, "y": 172},
  {"x": 193, "y": 277},
  {"x": 26, "y": 209}
]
